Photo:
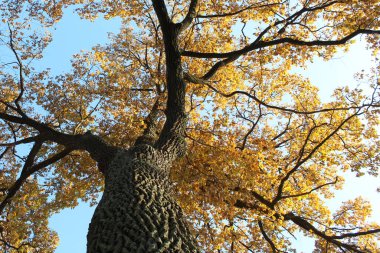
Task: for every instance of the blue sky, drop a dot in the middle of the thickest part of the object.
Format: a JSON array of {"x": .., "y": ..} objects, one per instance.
[{"x": 72, "y": 35}]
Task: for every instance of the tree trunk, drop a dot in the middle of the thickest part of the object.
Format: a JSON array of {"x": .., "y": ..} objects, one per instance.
[{"x": 137, "y": 212}]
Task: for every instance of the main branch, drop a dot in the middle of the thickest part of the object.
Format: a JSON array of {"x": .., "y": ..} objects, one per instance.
[{"x": 171, "y": 139}]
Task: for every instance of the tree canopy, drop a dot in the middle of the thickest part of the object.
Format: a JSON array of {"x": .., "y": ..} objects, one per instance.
[{"x": 263, "y": 151}]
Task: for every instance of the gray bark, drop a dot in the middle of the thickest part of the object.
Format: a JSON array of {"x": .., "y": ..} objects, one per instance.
[{"x": 137, "y": 212}]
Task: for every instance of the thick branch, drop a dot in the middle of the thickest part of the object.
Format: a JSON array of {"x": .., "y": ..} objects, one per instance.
[
  {"x": 171, "y": 138},
  {"x": 150, "y": 133},
  {"x": 29, "y": 170},
  {"x": 98, "y": 149},
  {"x": 191, "y": 14},
  {"x": 32, "y": 156},
  {"x": 262, "y": 44},
  {"x": 229, "y": 57},
  {"x": 23, "y": 141},
  {"x": 347, "y": 235},
  {"x": 161, "y": 12},
  {"x": 266, "y": 237}
]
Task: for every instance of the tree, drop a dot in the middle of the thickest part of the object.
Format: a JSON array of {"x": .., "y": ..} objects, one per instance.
[{"x": 194, "y": 102}]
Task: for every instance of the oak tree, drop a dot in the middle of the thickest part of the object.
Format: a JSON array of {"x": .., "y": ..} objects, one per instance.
[{"x": 193, "y": 125}]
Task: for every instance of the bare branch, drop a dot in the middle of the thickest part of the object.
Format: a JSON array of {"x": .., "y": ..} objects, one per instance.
[
  {"x": 347, "y": 235},
  {"x": 193, "y": 79},
  {"x": 311, "y": 153},
  {"x": 246, "y": 246},
  {"x": 254, "y": 124},
  {"x": 285, "y": 129},
  {"x": 312, "y": 190},
  {"x": 23, "y": 141},
  {"x": 138, "y": 89},
  {"x": 20, "y": 65},
  {"x": 304, "y": 224}
]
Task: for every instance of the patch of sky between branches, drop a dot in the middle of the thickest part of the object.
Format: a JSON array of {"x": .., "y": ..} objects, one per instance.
[
  {"x": 72, "y": 35},
  {"x": 340, "y": 70}
]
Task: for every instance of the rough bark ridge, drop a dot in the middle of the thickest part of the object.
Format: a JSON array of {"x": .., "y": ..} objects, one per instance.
[{"x": 137, "y": 212}]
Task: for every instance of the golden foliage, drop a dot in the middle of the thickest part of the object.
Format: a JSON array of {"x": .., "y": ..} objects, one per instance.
[{"x": 256, "y": 128}]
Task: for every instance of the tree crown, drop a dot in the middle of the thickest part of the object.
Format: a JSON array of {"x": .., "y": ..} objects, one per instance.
[{"x": 263, "y": 150}]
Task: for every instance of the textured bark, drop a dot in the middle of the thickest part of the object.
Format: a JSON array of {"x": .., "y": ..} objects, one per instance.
[{"x": 137, "y": 212}]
